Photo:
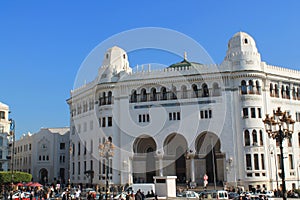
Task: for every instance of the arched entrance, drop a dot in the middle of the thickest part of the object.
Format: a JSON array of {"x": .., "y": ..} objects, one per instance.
[
  {"x": 43, "y": 176},
  {"x": 175, "y": 147},
  {"x": 144, "y": 163},
  {"x": 208, "y": 148}
]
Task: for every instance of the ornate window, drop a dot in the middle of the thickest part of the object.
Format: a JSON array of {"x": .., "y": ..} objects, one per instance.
[
  {"x": 184, "y": 92},
  {"x": 163, "y": 92},
  {"x": 153, "y": 95},
  {"x": 205, "y": 91},
  {"x": 243, "y": 87},
  {"x": 195, "y": 91},
  {"x": 247, "y": 138},
  {"x": 143, "y": 95}
]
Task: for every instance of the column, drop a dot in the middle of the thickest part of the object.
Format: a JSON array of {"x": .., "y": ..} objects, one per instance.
[
  {"x": 130, "y": 170},
  {"x": 160, "y": 163},
  {"x": 192, "y": 157}
]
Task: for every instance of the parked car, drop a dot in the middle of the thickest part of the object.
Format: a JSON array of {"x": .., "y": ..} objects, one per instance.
[{"x": 190, "y": 194}]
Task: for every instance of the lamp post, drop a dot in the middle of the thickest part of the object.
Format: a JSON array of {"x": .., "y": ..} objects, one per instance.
[
  {"x": 12, "y": 134},
  {"x": 106, "y": 151},
  {"x": 280, "y": 126},
  {"x": 69, "y": 165}
]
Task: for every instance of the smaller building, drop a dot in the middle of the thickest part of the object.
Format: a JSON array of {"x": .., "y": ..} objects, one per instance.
[
  {"x": 4, "y": 137},
  {"x": 44, "y": 154}
]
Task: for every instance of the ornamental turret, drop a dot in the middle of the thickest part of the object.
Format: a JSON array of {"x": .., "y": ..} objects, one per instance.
[
  {"x": 242, "y": 53},
  {"x": 115, "y": 62}
]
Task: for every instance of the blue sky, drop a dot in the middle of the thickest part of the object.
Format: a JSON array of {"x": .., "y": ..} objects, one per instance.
[{"x": 43, "y": 43}]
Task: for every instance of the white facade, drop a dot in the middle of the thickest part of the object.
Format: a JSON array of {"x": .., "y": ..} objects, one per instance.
[
  {"x": 166, "y": 122},
  {"x": 4, "y": 137},
  {"x": 44, "y": 154}
]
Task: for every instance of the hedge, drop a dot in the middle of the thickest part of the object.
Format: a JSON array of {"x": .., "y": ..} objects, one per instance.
[{"x": 5, "y": 177}]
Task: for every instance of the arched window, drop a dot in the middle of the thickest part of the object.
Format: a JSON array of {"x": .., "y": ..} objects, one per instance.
[
  {"x": 287, "y": 92},
  {"x": 261, "y": 139},
  {"x": 103, "y": 99},
  {"x": 216, "y": 90},
  {"x": 251, "y": 87},
  {"x": 247, "y": 138},
  {"x": 254, "y": 138},
  {"x": 271, "y": 90},
  {"x": 143, "y": 95},
  {"x": 195, "y": 90},
  {"x": 205, "y": 91},
  {"x": 109, "y": 97},
  {"x": 258, "y": 88},
  {"x": 153, "y": 95},
  {"x": 294, "y": 93},
  {"x": 163, "y": 92},
  {"x": 184, "y": 92},
  {"x": 243, "y": 87},
  {"x": 133, "y": 98},
  {"x": 282, "y": 91},
  {"x": 276, "y": 91},
  {"x": 298, "y": 93},
  {"x": 174, "y": 93}
]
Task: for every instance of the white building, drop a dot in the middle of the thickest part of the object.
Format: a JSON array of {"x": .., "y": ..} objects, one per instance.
[
  {"x": 44, "y": 154},
  {"x": 187, "y": 120},
  {"x": 4, "y": 137}
]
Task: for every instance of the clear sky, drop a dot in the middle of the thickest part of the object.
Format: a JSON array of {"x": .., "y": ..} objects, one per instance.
[{"x": 43, "y": 43}]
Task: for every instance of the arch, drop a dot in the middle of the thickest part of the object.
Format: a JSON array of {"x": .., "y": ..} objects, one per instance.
[
  {"x": 184, "y": 92},
  {"x": 208, "y": 148},
  {"x": 261, "y": 139},
  {"x": 258, "y": 87},
  {"x": 271, "y": 90},
  {"x": 216, "y": 90},
  {"x": 287, "y": 92},
  {"x": 133, "y": 98},
  {"x": 174, "y": 93},
  {"x": 205, "y": 91},
  {"x": 195, "y": 91},
  {"x": 143, "y": 95},
  {"x": 144, "y": 148},
  {"x": 276, "y": 91},
  {"x": 153, "y": 94},
  {"x": 254, "y": 138},
  {"x": 109, "y": 97},
  {"x": 250, "y": 86},
  {"x": 175, "y": 145},
  {"x": 43, "y": 176},
  {"x": 163, "y": 92},
  {"x": 282, "y": 91},
  {"x": 294, "y": 93},
  {"x": 247, "y": 138},
  {"x": 243, "y": 87},
  {"x": 142, "y": 144}
]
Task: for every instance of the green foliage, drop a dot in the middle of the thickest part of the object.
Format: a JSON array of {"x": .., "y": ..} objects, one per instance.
[{"x": 5, "y": 177}]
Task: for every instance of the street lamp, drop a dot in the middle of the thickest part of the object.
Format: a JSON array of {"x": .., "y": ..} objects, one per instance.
[
  {"x": 12, "y": 134},
  {"x": 280, "y": 126},
  {"x": 106, "y": 151}
]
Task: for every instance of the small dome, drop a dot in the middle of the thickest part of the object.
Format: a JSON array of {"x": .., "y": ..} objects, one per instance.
[
  {"x": 241, "y": 41},
  {"x": 183, "y": 63}
]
